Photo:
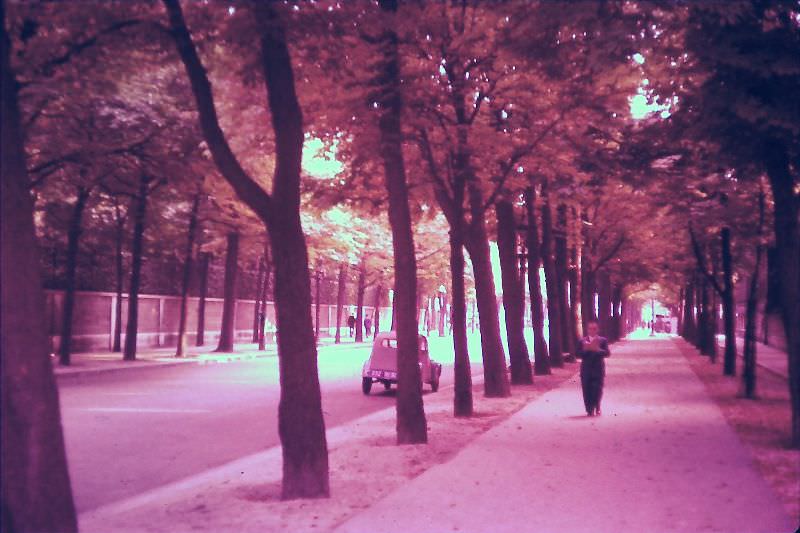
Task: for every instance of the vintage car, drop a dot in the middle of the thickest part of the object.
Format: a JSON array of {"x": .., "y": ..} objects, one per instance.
[{"x": 381, "y": 367}]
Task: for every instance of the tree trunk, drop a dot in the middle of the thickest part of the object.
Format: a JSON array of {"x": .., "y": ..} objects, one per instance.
[
  {"x": 689, "y": 329},
  {"x": 376, "y": 316},
  {"x": 562, "y": 269},
  {"x": 137, "y": 250},
  {"x": 442, "y": 314},
  {"x": 729, "y": 308},
  {"x": 551, "y": 281},
  {"x": 575, "y": 295},
  {"x": 317, "y": 306},
  {"x": 604, "y": 302},
  {"x": 541, "y": 360},
  {"x": 187, "y": 276},
  {"x": 119, "y": 268},
  {"x": 411, "y": 423},
  {"x": 205, "y": 259},
  {"x": 462, "y": 401},
  {"x": 36, "y": 493},
  {"x": 265, "y": 287},
  {"x": 340, "y": 296},
  {"x": 749, "y": 371},
  {"x": 495, "y": 374},
  {"x": 513, "y": 298},
  {"x": 787, "y": 244},
  {"x": 616, "y": 297},
  {"x": 300, "y": 422},
  {"x": 227, "y": 333},
  {"x": 73, "y": 246},
  {"x": 588, "y": 280},
  {"x": 362, "y": 282},
  {"x": 257, "y": 304}
]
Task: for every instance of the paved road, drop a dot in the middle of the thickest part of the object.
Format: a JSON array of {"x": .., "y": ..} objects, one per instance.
[{"x": 130, "y": 432}]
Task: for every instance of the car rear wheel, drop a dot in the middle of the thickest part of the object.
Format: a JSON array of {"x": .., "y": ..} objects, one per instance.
[
  {"x": 434, "y": 381},
  {"x": 366, "y": 385}
]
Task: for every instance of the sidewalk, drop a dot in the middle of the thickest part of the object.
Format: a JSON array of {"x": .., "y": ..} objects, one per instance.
[
  {"x": 88, "y": 364},
  {"x": 767, "y": 357},
  {"x": 661, "y": 458}
]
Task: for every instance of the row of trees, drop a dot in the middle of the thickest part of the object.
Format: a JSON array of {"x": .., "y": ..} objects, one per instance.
[{"x": 508, "y": 122}]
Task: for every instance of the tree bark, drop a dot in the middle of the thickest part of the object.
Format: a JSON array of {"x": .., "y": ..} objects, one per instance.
[
  {"x": 688, "y": 331},
  {"x": 462, "y": 401},
  {"x": 227, "y": 334},
  {"x": 604, "y": 303},
  {"x": 541, "y": 360},
  {"x": 205, "y": 259},
  {"x": 340, "y": 296},
  {"x": 265, "y": 288},
  {"x": 300, "y": 422},
  {"x": 749, "y": 370},
  {"x": 513, "y": 298},
  {"x": 551, "y": 282},
  {"x": 376, "y": 316},
  {"x": 257, "y": 304},
  {"x": 575, "y": 294},
  {"x": 73, "y": 247},
  {"x": 137, "y": 251},
  {"x": 729, "y": 308},
  {"x": 118, "y": 263},
  {"x": 362, "y": 287},
  {"x": 411, "y": 423},
  {"x": 562, "y": 270},
  {"x": 36, "y": 493},
  {"x": 187, "y": 276},
  {"x": 787, "y": 244}
]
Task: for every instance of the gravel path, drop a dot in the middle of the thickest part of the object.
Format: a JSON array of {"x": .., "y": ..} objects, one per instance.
[{"x": 661, "y": 458}]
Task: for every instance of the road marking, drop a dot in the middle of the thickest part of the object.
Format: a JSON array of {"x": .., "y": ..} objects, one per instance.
[{"x": 142, "y": 410}]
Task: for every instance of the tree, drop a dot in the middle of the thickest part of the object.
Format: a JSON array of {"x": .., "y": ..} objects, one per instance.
[
  {"x": 227, "y": 329},
  {"x": 36, "y": 493},
  {"x": 301, "y": 425},
  {"x": 411, "y": 424}
]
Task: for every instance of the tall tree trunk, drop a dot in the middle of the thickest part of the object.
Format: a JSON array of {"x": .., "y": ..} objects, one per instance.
[
  {"x": 205, "y": 259},
  {"x": 616, "y": 297},
  {"x": 187, "y": 276},
  {"x": 604, "y": 302},
  {"x": 265, "y": 288},
  {"x": 411, "y": 423},
  {"x": 575, "y": 294},
  {"x": 541, "y": 360},
  {"x": 551, "y": 281},
  {"x": 73, "y": 246},
  {"x": 362, "y": 287},
  {"x": 513, "y": 298},
  {"x": 340, "y": 296},
  {"x": 376, "y": 316},
  {"x": 462, "y": 401},
  {"x": 317, "y": 303},
  {"x": 729, "y": 308},
  {"x": 495, "y": 374},
  {"x": 227, "y": 333},
  {"x": 442, "y": 318},
  {"x": 257, "y": 303},
  {"x": 137, "y": 250},
  {"x": 300, "y": 422},
  {"x": 562, "y": 269},
  {"x": 688, "y": 330},
  {"x": 118, "y": 270},
  {"x": 749, "y": 370},
  {"x": 588, "y": 280},
  {"x": 787, "y": 244},
  {"x": 36, "y": 493}
]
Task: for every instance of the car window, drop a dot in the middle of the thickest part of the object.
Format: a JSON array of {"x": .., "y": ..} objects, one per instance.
[{"x": 389, "y": 343}]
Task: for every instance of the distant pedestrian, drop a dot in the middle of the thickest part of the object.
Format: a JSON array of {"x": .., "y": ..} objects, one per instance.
[
  {"x": 351, "y": 323},
  {"x": 593, "y": 350},
  {"x": 368, "y": 326}
]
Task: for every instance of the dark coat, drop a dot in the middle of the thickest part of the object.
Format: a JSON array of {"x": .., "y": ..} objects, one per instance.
[{"x": 592, "y": 362}]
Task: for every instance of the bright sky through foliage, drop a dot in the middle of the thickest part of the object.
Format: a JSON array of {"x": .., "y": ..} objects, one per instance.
[{"x": 320, "y": 161}]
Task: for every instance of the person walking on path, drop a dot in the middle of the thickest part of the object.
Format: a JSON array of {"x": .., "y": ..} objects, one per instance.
[
  {"x": 351, "y": 323},
  {"x": 592, "y": 351},
  {"x": 368, "y": 326}
]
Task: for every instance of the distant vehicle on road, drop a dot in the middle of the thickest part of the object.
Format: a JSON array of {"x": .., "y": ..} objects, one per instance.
[
  {"x": 663, "y": 324},
  {"x": 381, "y": 367}
]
